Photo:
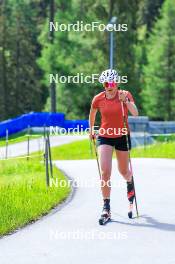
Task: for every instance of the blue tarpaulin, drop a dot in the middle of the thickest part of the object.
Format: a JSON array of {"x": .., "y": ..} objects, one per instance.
[
  {"x": 34, "y": 119},
  {"x": 39, "y": 120}
]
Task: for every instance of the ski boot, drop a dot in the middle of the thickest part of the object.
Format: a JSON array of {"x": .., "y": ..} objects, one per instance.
[
  {"x": 131, "y": 197},
  {"x": 106, "y": 214}
]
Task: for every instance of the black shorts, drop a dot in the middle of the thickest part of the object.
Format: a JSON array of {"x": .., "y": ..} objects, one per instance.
[{"x": 120, "y": 143}]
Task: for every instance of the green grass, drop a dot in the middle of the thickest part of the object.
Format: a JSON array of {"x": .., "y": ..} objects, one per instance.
[
  {"x": 165, "y": 138},
  {"x": 75, "y": 150},
  {"x": 81, "y": 150},
  {"x": 158, "y": 150},
  {"x": 24, "y": 196}
]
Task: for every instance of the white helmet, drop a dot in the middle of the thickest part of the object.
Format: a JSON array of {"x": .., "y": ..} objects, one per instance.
[{"x": 108, "y": 76}]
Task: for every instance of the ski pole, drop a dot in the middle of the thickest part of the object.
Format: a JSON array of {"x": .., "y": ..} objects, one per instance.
[
  {"x": 90, "y": 146},
  {"x": 96, "y": 155},
  {"x": 130, "y": 164}
]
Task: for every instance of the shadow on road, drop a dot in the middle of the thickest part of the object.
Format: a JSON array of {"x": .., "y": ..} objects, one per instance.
[{"x": 150, "y": 223}]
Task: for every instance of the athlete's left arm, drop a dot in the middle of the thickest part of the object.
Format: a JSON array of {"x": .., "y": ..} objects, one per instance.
[
  {"x": 132, "y": 107},
  {"x": 128, "y": 100}
]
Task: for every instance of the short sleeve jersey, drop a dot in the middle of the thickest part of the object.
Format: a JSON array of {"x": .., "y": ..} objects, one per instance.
[{"x": 111, "y": 114}]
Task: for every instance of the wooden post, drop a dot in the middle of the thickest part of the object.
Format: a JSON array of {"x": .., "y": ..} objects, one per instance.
[
  {"x": 6, "y": 144},
  {"x": 28, "y": 142},
  {"x": 50, "y": 155},
  {"x": 47, "y": 162}
]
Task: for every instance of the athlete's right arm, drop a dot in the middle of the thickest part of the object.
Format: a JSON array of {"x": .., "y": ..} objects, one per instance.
[{"x": 92, "y": 116}]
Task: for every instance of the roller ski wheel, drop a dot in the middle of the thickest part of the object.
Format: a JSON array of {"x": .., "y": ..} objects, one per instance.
[
  {"x": 105, "y": 217},
  {"x": 130, "y": 214}
]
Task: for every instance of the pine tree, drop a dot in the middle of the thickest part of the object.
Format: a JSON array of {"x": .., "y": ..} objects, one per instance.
[
  {"x": 88, "y": 52},
  {"x": 5, "y": 21},
  {"x": 21, "y": 89},
  {"x": 148, "y": 12},
  {"x": 159, "y": 74}
]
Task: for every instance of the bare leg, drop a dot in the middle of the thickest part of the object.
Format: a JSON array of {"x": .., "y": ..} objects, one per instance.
[
  {"x": 123, "y": 164},
  {"x": 123, "y": 167},
  {"x": 105, "y": 158}
]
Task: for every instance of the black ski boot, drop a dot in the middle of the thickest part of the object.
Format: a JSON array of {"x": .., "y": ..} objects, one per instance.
[
  {"x": 131, "y": 196},
  {"x": 106, "y": 213}
]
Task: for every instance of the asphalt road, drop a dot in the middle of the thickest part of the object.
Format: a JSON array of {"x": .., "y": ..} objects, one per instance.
[
  {"x": 20, "y": 148},
  {"x": 71, "y": 234}
]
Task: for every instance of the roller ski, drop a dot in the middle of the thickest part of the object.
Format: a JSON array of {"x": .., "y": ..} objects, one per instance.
[
  {"x": 130, "y": 214},
  {"x": 106, "y": 214},
  {"x": 131, "y": 197},
  {"x": 105, "y": 217}
]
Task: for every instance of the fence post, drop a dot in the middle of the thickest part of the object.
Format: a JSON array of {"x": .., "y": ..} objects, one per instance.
[
  {"x": 144, "y": 139},
  {"x": 28, "y": 142},
  {"x": 44, "y": 138},
  {"x": 50, "y": 155},
  {"x": 6, "y": 144},
  {"x": 39, "y": 147},
  {"x": 44, "y": 131},
  {"x": 47, "y": 162}
]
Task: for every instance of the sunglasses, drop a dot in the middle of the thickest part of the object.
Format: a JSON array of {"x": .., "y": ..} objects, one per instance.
[{"x": 109, "y": 84}]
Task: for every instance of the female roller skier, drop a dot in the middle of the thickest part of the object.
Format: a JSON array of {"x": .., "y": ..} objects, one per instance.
[{"x": 112, "y": 135}]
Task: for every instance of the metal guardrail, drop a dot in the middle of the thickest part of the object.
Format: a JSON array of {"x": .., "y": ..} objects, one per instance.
[{"x": 142, "y": 123}]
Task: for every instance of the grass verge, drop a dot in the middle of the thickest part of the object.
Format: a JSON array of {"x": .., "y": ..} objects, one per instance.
[
  {"x": 24, "y": 196},
  {"x": 81, "y": 150}
]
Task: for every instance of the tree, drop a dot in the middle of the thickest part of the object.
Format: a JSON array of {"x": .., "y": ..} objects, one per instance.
[
  {"x": 126, "y": 42},
  {"x": 21, "y": 89},
  {"x": 148, "y": 12},
  {"x": 4, "y": 55},
  {"x": 159, "y": 73},
  {"x": 87, "y": 52}
]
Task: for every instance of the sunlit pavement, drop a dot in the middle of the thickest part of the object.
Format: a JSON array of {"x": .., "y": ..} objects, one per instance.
[
  {"x": 21, "y": 148},
  {"x": 72, "y": 234}
]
